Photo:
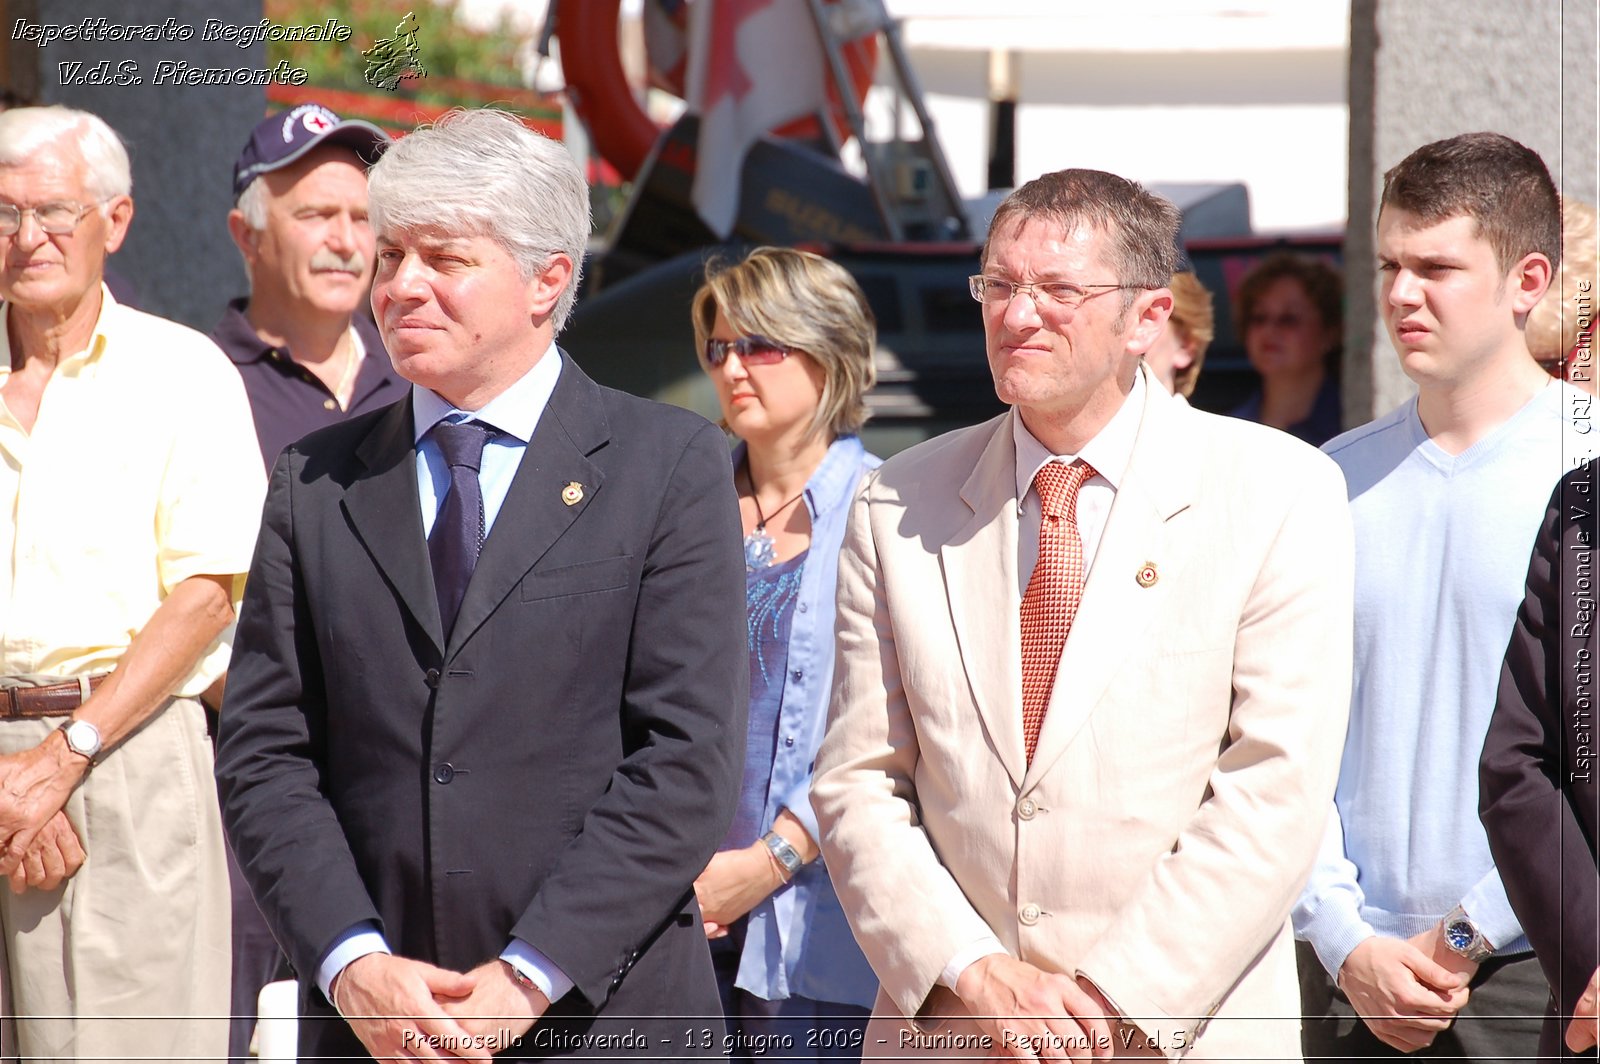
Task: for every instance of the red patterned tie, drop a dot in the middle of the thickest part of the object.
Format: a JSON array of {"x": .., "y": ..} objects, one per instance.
[{"x": 1054, "y": 590}]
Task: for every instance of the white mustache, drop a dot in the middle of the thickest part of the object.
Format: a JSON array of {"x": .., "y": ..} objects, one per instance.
[{"x": 327, "y": 260}]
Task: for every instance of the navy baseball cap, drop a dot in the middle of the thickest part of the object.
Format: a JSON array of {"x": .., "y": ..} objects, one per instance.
[{"x": 280, "y": 139}]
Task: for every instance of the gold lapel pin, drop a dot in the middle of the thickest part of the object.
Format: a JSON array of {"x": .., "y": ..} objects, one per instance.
[
  {"x": 1147, "y": 575},
  {"x": 572, "y": 494}
]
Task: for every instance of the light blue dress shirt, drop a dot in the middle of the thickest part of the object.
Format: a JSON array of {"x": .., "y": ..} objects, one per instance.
[{"x": 515, "y": 412}]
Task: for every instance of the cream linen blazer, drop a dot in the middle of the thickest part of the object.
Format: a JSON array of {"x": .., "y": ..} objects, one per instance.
[{"x": 1185, "y": 769}]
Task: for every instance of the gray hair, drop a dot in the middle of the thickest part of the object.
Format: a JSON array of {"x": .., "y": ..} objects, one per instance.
[
  {"x": 485, "y": 173},
  {"x": 252, "y": 204},
  {"x": 25, "y": 131}
]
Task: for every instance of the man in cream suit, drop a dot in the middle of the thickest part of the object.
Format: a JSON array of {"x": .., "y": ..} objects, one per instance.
[{"x": 1091, "y": 686}]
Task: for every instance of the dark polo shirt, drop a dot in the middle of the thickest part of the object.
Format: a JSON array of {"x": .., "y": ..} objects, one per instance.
[{"x": 287, "y": 399}]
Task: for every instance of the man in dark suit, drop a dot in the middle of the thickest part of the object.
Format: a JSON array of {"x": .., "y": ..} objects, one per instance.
[
  {"x": 484, "y": 720},
  {"x": 1537, "y": 793}
]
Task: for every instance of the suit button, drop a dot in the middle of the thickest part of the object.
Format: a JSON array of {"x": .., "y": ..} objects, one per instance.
[
  {"x": 1026, "y": 809},
  {"x": 1030, "y": 914},
  {"x": 432, "y": 679},
  {"x": 444, "y": 773}
]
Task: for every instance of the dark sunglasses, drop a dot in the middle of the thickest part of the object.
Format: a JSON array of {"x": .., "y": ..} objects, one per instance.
[{"x": 752, "y": 351}]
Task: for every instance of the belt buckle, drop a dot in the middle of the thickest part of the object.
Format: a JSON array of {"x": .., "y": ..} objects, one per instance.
[{"x": 12, "y": 708}]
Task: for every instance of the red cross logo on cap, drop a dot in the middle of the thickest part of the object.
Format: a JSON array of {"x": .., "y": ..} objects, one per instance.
[{"x": 318, "y": 122}]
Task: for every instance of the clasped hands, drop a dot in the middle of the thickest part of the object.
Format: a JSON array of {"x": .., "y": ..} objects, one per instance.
[
  {"x": 411, "y": 1010},
  {"x": 1032, "y": 1014},
  {"x": 39, "y": 848},
  {"x": 1407, "y": 990}
]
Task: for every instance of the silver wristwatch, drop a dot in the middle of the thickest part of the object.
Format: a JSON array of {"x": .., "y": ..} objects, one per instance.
[
  {"x": 787, "y": 855},
  {"x": 82, "y": 739},
  {"x": 1462, "y": 936}
]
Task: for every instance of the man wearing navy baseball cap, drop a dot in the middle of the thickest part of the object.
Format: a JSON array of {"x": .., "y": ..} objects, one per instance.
[
  {"x": 282, "y": 139},
  {"x": 301, "y": 340},
  {"x": 305, "y": 347}
]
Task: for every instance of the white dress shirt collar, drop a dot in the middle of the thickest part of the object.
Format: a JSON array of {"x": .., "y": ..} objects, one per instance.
[
  {"x": 1108, "y": 452},
  {"x": 515, "y": 411}
]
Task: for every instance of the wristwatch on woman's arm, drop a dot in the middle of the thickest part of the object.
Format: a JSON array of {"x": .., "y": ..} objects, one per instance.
[{"x": 784, "y": 853}]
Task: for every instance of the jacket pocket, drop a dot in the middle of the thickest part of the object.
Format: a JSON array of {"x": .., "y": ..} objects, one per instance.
[{"x": 584, "y": 578}]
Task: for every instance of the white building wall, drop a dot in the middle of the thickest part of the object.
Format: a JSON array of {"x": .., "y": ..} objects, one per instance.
[{"x": 1165, "y": 91}]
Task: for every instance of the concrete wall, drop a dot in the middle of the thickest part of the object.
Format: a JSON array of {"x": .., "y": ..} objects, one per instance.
[
  {"x": 1422, "y": 70},
  {"x": 182, "y": 139}
]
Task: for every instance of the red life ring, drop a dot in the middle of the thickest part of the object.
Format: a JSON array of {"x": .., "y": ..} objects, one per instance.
[{"x": 621, "y": 131}]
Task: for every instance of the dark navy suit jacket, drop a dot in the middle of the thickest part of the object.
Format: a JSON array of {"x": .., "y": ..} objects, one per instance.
[
  {"x": 560, "y": 770},
  {"x": 1537, "y": 791}
]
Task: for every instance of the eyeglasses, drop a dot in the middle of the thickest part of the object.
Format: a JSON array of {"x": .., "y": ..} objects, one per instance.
[
  {"x": 1044, "y": 294},
  {"x": 752, "y": 351},
  {"x": 55, "y": 218}
]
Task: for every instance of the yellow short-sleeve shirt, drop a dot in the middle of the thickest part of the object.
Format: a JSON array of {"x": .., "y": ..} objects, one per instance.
[{"x": 141, "y": 471}]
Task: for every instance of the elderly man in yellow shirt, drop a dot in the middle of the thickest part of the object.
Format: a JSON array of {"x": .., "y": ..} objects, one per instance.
[{"x": 130, "y": 494}]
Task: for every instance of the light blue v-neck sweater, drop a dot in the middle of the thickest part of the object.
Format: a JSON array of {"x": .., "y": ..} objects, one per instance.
[{"x": 1442, "y": 548}]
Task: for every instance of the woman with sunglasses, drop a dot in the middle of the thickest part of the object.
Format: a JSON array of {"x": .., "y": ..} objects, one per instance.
[
  {"x": 787, "y": 339},
  {"x": 1291, "y": 320}
]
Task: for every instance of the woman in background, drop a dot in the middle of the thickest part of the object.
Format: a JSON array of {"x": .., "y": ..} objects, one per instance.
[
  {"x": 1179, "y": 352},
  {"x": 787, "y": 339},
  {"x": 1291, "y": 314}
]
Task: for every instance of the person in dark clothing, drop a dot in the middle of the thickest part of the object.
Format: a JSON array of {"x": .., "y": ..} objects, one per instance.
[
  {"x": 1537, "y": 794},
  {"x": 1290, "y": 314},
  {"x": 302, "y": 340}
]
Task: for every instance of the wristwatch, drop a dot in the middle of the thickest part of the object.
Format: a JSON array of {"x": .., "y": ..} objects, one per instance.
[
  {"x": 518, "y": 977},
  {"x": 1464, "y": 938},
  {"x": 787, "y": 855},
  {"x": 82, "y": 738}
]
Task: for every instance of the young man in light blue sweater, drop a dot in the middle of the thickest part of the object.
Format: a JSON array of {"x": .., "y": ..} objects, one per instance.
[{"x": 1410, "y": 934}]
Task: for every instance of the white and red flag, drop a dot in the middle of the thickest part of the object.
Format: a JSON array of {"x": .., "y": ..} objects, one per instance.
[{"x": 753, "y": 65}]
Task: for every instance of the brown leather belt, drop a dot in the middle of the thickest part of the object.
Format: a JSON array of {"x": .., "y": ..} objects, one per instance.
[{"x": 52, "y": 700}]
